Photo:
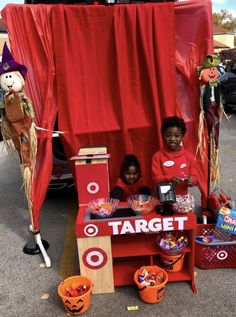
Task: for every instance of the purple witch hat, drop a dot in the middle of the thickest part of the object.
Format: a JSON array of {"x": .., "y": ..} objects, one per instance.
[{"x": 9, "y": 65}]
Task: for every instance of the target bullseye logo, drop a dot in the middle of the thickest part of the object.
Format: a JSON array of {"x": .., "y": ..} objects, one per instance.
[
  {"x": 90, "y": 230},
  {"x": 222, "y": 255},
  {"x": 93, "y": 187},
  {"x": 94, "y": 258}
]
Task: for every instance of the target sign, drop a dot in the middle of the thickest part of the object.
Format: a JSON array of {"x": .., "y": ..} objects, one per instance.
[
  {"x": 93, "y": 188},
  {"x": 222, "y": 255},
  {"x": 90, "y": 230},
  {"x": 94, "y": 258}
]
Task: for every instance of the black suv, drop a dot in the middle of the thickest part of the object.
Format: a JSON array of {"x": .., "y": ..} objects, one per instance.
[
  {"x": 228, "y": 90},
  {"x": 61, "y": 173}
]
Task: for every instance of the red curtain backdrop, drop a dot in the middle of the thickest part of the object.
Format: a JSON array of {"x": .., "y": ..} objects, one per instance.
[
  {"x": 112, "y": 73},
  {"x": 194, "y": 40},
  {"x": 114, "y": 78}
]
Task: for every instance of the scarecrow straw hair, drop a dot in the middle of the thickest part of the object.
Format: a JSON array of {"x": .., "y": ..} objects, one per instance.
[
  {"x": 27, "y": 179},
  {"x": 27, "y": 184},
  {"x": 33, "y": 146},
  {"x": 201, "y": 146},
  {"x": 214, "y": 162}
]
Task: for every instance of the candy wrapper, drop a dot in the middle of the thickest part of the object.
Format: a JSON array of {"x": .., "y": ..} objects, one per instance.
[
  {"x": 205, "y": 238},
  {"x": 183, "y": 204},
  {"x": 172, "y": 242},
  {"x": 75, "y": 292},
  {"x": 149, "y": 278}
]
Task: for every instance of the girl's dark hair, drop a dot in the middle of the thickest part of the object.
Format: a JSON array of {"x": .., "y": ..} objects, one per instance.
[
  {"x": 173, "y": 122},
  {"x": 129, "y": 160}
]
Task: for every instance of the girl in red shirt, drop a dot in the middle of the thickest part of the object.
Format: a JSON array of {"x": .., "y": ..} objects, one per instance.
[
  {"x": 173, "y": 162},
  {"x": 130, "y": 181}
]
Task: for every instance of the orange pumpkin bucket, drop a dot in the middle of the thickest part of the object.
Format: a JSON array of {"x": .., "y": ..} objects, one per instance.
[
  {"x": 151, "y": 294},
  {"x": 172, "y": 263},
  {"x": 75, "y": 292}
]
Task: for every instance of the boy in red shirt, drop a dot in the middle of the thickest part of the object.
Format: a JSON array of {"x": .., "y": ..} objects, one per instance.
[{"x": 173, "y": 162}]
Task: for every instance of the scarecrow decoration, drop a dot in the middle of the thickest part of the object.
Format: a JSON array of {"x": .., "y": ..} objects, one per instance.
[
  {"x": 18, "y": 126},
  {"x": 211, "y": 111}
]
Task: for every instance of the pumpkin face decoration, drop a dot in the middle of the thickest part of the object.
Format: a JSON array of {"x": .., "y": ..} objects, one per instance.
[
  {"x": 75, "y": 293},
  {"x": 209, "y": 75},
  {"x": 74, "y": 305}
]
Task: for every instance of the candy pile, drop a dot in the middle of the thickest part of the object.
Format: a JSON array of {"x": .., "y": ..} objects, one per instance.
[
  {"x": 75, "y": 292},
  {"x": 171, "y": 243},
  {"x": 103, "y": 207},
  {"x": 142, "y": 204},
  {"x": 149, "y": 278},
  {"x": 183, "y": 204}
]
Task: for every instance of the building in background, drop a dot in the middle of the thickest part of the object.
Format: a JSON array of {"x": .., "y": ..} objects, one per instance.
[
  {"x": 223, "y": 40},
  {"x": 218, "y": 46}
]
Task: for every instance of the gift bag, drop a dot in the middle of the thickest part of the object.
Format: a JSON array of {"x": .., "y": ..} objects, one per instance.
[{"x": 225, "y": 228}]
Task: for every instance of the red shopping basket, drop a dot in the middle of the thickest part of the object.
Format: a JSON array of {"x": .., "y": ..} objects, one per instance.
[{"x": 213, "y": 255}]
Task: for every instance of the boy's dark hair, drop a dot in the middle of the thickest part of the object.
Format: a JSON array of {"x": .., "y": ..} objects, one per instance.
[
  {"x": 173, "y": 122},
  {"x": 129, "y": 160}
]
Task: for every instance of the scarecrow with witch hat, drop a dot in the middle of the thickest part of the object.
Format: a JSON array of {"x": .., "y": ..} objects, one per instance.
[
  {"x": 211, "y": 111},
  {"x": 17, "y": 118}
]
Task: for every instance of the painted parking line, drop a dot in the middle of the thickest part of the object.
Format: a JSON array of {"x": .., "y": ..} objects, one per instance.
[{"x": 67, "y": 263}]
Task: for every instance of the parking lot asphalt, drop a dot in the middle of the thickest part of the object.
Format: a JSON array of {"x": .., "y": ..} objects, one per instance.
[{"x": 30, "y": 290}]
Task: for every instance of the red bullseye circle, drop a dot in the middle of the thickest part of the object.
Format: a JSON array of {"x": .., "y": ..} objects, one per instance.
[{"x": 94, "y": 258}]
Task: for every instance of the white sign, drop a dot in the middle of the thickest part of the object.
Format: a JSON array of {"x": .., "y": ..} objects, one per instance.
[{"x": 142, "y": 225}]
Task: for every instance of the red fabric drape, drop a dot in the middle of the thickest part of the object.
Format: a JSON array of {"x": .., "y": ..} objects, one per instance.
[
  {"x": 30, "y": 36},
  {"x": 115, "y": 78},
  {"x": 194, "y": 40},
  {"x": 110, "y": 73}
]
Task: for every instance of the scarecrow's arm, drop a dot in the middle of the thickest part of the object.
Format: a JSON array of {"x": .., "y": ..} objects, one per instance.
[
  {"x": 27, "y": 106},
  {"x": 202, "y": 91}
]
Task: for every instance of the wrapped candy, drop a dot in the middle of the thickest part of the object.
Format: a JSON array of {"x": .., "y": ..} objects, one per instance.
[
  {"x": 149, "y": 278},
  {"x": 75, "y": 292},
  {"x": 103, "y": 207},
  {"x": 183, "y": 204},
  {"x": 171, "y": 243}
]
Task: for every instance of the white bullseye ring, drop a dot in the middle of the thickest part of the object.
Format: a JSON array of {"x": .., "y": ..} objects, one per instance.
[
  {"x": 94, "y": 258},
  {"x": 222, "y": 255},
  {"x": 90, "y": 230},
  {"x": 99, "y": 257},
  {"x": 92, "y": 188}
]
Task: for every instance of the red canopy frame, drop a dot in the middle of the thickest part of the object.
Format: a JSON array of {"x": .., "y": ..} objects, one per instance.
[{"x": 111, "y": 73}]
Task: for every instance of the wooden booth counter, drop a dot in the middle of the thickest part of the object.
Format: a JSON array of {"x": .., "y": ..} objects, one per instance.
[{"x": 111, "y": 250}]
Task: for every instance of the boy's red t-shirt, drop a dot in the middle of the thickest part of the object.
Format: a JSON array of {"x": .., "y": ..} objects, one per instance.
[{"x": 167, "y": 164}]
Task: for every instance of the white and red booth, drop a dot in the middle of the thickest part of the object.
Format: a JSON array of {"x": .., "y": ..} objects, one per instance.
[{"x": 111, "y": 74}]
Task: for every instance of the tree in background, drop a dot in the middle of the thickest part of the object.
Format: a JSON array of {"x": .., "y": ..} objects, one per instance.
[{"x": 224, "y": 19}]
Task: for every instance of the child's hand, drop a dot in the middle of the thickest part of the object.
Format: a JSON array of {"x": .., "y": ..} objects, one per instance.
[
  {"x": 177, "y": 179},
  {"x": 188, "y": 180}
]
